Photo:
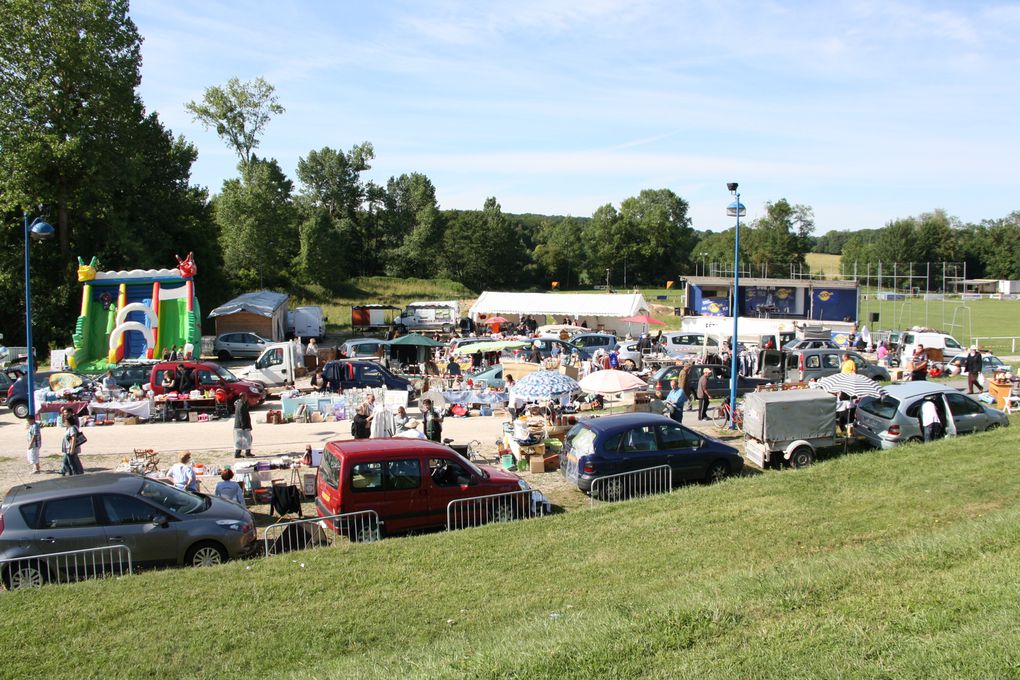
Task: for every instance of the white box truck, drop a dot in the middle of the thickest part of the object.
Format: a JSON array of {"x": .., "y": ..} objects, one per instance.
[
  {"x": 430, "y": 316},
  {"x": 306, "y": 322}
]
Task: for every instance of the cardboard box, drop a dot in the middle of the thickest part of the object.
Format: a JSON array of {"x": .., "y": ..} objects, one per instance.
[
  {"x": 130, "y": 420},
  {"x": 536, "y": 463},
  {"x": 192, "y": 416}
]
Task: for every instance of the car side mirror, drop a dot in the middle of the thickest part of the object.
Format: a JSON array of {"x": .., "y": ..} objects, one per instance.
[{"x": 161, "y": 521}]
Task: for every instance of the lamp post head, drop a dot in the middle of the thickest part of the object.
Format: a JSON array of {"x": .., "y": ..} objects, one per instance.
[
  {"x": 732, "y": 186},
  {"x": 41, "y": 231},
  {"x": 736, "y": 208}
]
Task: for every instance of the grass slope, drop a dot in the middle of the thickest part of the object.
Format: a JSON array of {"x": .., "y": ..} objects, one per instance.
[{"x": 894, "y": 564}]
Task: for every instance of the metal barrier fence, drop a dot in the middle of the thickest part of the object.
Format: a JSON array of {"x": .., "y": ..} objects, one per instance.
[
  {"x": 66, "y": 567},
  {"x": 298, "y": 534},
  {"x": 636, "y": 484},
  {"x": 464, "y": 513},
  {"x": 1001, "y": 344}
]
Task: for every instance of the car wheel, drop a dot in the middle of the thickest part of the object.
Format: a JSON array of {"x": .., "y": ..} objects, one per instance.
[
  {"x": 20, "y": 409},
  {"x": 915, "y": 440},
  {"x": 717, "y": 472},
  {"x": 802, "y": 457},
  {"x": 206, "y": 554},
  {"x": 992, "y": 426},
  {"x": 611, "y": 491},
  {"x": 365, "y": 532},
  {"x": 223, "y": 355},
  {"x": 24, "y": 575},
  {"x": 503, "y": 512},
  {"x": 629, "y": 365}
]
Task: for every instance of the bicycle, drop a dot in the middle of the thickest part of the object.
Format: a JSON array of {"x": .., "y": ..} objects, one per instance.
[{"x": 721, "y": 416}]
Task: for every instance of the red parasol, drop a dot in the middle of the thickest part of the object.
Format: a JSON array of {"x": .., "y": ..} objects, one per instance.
[
  {"x": 494, "y": 319},
  {"x": 645, "y": 319}
]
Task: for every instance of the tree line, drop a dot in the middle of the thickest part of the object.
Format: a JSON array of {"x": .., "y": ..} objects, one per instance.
[{"x": 116, "y": 183}]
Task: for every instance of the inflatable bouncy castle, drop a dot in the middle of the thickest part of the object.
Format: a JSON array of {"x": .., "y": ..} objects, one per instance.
[{"x": 134, "y": 314}]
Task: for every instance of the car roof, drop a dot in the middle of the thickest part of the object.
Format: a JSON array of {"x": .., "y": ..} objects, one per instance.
[
  {"x": 917, "y": 388},
  {"x": 386, "y": 448},
  {"x": 363, "y": 341},
  {"x": 625, "y": 421},
  {"x": 124, "y": 482}
]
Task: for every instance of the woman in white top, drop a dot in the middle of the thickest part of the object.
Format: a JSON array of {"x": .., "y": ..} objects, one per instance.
[{"x": 183, "y": 475}]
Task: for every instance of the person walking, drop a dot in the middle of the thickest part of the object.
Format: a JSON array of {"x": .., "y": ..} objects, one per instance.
[
  {"x": 931, "y": 423},
  {"x": 242, "y": 427},
  {"x": 919, "y": 364},
  {"x": 675, "y": 401},
  {"x": 433, "y": 421},
  {"x": 71, "y": 445},
  {"x": 684, "y": 379},
  {"x": 973, "y": 365},
  {"x": 702, "y": 394},
  {"x": 34, "y": 435}
]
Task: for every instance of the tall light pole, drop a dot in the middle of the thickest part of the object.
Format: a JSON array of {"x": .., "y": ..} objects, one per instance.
[
  {"x": 735, "y": 209},
  {"x": 37, "y": 230}
]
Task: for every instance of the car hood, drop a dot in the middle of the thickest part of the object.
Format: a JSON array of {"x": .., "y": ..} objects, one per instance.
[
  {"x": 222, "y": 509},
  {"x": 719, "y": 445},
  {"x": 500, "y": 475}
]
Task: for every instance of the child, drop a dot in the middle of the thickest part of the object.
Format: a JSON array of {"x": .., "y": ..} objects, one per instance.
[{"x": 34, "y": 436}]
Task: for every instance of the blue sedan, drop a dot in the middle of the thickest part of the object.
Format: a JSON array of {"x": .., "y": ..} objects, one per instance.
[{"x": 600, "y": 447}]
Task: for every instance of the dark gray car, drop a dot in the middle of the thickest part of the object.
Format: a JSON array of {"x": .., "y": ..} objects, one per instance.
[{"x": 161, "y": 525}]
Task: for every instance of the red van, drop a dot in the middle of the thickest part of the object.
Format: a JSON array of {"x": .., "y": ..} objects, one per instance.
[
  {"x": 206, "y": 375},
  {"x": 408, "y": 482}
]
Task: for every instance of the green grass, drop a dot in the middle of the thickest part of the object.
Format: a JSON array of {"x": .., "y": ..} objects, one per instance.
[
  {"x": 874, "y": 565},
  {"x": 975, "y": 318},
  {"x": 823, "y": 263}
]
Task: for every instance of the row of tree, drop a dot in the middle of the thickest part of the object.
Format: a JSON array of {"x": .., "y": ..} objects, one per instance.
[{"x": 75, "y": 136}]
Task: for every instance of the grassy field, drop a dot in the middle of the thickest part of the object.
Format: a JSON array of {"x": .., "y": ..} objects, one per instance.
[
  {"x": 874, "y": 565},
  {"x": 975, "y": 318},
  {"x": 828, "y": 265}
]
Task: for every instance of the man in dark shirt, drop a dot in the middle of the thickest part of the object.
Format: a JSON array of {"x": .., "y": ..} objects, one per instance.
[
  {"x": 242, "y": 427},
  {"x": 973, "y": 365}
]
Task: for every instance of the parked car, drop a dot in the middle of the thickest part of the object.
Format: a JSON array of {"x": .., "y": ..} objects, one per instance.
[
  {"x": 594, "y": 341},
  {"x": 630, "y": 355},
  {"x": 683, "y": 343},
  {"x": 812, "y": 364},
  {"x": 562, "y": 347},
  {"x": 810, "y": 343},
  {"x": 932, "y": 340},
  {"x": 599, "y": 447},
  {"x": 231, "y": 345},
  {"x": 989, "y": 363},
  {"x": 718, "y": 382},
  {"x": 409, "y": 483},
  {"x": 895, "y": 418},
  {"x": 361, "y": 348},
  {"x": 17, "y": 394},
  {"x": 160, "y": 524},
  {"x": 491, "y": 376},
  {"x": 361, "y": 373},
  {"x": 129, "y": 375},
  {"x": 207, "y": 375},
  {"x": 7, "y": 379}
]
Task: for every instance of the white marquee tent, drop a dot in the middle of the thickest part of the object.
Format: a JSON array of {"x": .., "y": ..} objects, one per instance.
[{"x": 597, "y": 309}]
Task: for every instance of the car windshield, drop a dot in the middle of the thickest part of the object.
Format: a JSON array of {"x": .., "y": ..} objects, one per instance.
[
  {"x": 173, "y": 499},
  {"x": 225, "y": 374},
  {"x": 468, "y": 464},
  {"x": 884, "y": 408},
  {"x": 952, "y": 344}
]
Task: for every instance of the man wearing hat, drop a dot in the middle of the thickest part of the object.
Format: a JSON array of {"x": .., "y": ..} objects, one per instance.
[
  {"x": 703, "y": 394},
  {"x": 411, "y": 430},
  {"x": 973, "y": 365}
]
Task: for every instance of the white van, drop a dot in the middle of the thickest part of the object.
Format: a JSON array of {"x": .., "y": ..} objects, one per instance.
[{"x": 930, "y": 339}]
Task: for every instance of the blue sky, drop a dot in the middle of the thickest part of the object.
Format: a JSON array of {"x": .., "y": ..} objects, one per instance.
[{"x": 866, "y": 111}]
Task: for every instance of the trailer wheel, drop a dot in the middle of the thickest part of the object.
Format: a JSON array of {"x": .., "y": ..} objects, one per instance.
[{"x": 802, "y": 457}]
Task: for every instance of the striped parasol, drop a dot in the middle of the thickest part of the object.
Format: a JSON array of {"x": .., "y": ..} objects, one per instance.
[{"x": 854, "y": 384}]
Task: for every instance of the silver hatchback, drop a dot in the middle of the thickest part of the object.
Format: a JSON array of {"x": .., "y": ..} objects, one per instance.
[
  {"x": 895, "y": 418},
  {"x": 159, "y": 524}
]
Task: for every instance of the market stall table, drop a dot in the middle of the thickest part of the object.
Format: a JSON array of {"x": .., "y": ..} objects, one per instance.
[
  {"x": 171, "y": 408},
  {"x": 141, "y": 408},
  {"x": 472, "y": 397}
]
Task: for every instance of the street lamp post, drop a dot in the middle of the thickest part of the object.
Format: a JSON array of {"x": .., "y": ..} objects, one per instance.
[
  {"x": 37, "y": 230},
  {"x": 735, "y": 209}
]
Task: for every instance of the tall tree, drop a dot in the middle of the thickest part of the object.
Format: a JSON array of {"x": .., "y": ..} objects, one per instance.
[
  {"x": 411, "y": 226},
  {"x": 258, "y": 220},
  {"x": 68, "y": 73},
  {"x": 331, "y": 179},
  {"x": 238, "y": 112},
  {"x": 782, "y": 235}
]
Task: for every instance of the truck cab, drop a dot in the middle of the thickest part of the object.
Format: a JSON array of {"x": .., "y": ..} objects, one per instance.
[{"x": 279, "y": 362}]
